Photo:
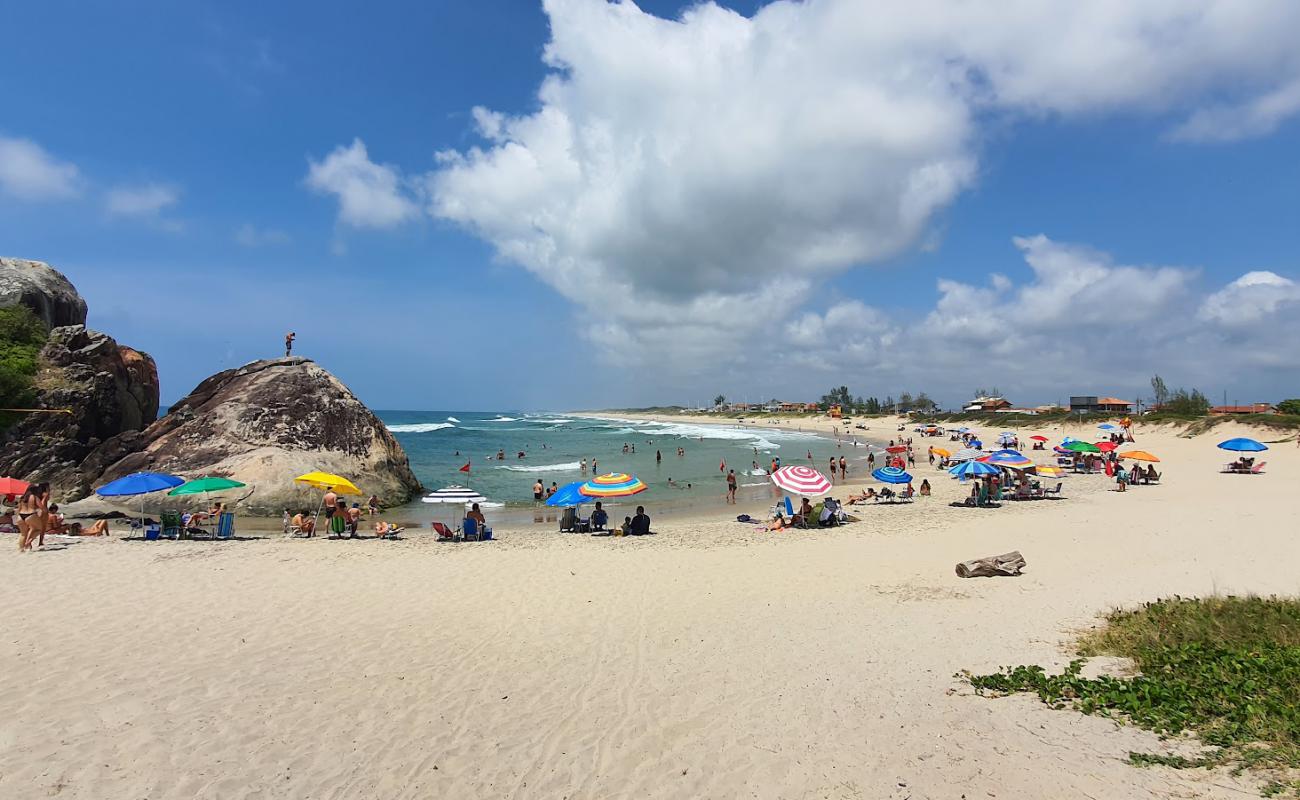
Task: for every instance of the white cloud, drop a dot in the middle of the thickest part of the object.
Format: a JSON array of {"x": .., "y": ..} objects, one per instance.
[
  {"x": 146, "y": 201},
  {"x": 250, "y": 235},
  {"x": 691, "y": 183},
  {"x": 28, "y": 172},
  {"x": 1252, "y": 301},
  {"x": 370, "y": 195},
  {"x": 1255, "y": 116}
]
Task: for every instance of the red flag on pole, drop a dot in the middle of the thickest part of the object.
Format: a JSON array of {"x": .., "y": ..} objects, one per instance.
[{"x": 465, "y": 468}]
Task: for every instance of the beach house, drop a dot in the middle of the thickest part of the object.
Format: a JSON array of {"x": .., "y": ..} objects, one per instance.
[{"x": 1095, "y": 404}]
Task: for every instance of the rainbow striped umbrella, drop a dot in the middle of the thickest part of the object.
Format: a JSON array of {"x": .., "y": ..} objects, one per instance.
[
  {"x": 1050, "y": 471},
  {"x": 615, "y": 484},
  {"x": 801, "y": 480},
  {"x": 1007, "y": 458}
]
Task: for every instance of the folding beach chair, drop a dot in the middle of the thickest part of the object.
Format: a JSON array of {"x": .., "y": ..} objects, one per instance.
[
  {"x": 171, "y": 525},
  {"x": 226, "y": 526}
]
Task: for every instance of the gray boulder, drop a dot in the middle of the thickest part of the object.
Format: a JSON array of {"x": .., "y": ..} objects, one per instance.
[{"x": 43, "y": 289}]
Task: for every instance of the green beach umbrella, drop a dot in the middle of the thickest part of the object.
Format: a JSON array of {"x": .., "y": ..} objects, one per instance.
[
  {"x": 1082, "y": 447},
  {"x": 205, "y": 486}
]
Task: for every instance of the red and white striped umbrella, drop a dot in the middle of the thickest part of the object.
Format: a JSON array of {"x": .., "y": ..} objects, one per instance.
[{"x": 801, "y": 480}]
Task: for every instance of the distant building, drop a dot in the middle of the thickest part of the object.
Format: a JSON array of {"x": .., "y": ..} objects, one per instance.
[
  {"x": 987, "y": 404},
  {"x": 1109, "y": 405},
  {"x": 1253, "y": 408}
]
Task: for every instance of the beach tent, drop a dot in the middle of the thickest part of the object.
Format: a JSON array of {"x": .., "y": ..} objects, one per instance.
[{"x": 139, "y": 483}]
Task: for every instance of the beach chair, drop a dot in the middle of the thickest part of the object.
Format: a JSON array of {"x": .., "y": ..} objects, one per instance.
[
  {"x": 338, "y": 525},
  {"x": 445, "y": 534},
  {"x": 171, "y": 525},
  {"x": 569, "y": 520},
  {"x": 471, "y": 532},
  {"x": 1053, "y": 492},
  {"x": 1258, "y": 469},
  {"x": 226, "y": 526}
]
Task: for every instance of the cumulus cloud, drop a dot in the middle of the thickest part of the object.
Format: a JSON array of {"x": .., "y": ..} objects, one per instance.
[
  {"x": 689, "y": 183},
  {"x": 250, "y": 235},
  {"x": 29, "y": 172},
  {"x": 146, "y": 200},
  {"x": 1252, "y": 300},
  {"x": 370, "y": 195}
]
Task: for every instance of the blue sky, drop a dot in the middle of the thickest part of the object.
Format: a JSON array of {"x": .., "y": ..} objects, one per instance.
[{"x": 745, "y": 207}]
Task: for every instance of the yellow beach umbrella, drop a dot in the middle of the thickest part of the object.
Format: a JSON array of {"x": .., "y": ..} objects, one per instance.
[
  {"x": 1138, "y": 455},
  {"x": 942, "y": 453},
  {"x": 326, "y": 481},
  {"x": 1049, "y": 471}
]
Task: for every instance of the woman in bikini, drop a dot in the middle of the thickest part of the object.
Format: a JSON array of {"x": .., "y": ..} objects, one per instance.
[{"x": 31, "y": 515}]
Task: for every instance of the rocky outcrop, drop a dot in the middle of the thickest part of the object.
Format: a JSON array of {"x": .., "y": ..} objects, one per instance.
[
  {"x": 264, "y": 424},
  {"x": 43, "y": 289},
  {"x": 100, "y": 389}
]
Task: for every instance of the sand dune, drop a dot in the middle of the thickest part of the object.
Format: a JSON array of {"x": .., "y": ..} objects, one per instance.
[{"x": 711, "y": 660}]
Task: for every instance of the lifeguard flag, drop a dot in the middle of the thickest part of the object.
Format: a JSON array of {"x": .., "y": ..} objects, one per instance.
[{"x": 465, "y": 468}]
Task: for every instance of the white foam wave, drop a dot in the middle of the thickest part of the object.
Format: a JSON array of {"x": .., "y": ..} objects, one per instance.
[
  {"x": 452, "y": 419},
  {"x": 762, "y": 472},
  {"x": 569, "y": 467},
  {"x": 420, "y": 427},
  {"x": 503, "y": 419},
  {"x": 551, "y": 421}
]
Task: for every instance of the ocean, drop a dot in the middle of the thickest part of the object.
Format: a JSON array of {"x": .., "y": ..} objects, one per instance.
[{"x": 552, "y": 448}]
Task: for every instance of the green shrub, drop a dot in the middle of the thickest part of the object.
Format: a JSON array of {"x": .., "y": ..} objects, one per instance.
[{"x": 22, "y": 334}]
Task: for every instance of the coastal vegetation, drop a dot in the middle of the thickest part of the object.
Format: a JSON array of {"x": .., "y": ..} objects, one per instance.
[
  {"x": 21, "y": 336},
  {"x": 1224, "y": 669}
]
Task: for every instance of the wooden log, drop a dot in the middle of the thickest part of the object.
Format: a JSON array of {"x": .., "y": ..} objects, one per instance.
[{"x": 991, "y": 566}]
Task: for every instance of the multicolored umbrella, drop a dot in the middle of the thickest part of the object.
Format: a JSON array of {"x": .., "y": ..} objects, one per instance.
[
  {"x": 1007, "y": 458},
  {"x": 891, "y": 475},
  {"x": 615, "y": 484},
  {"x": 1243, "y": 445},
  {"x": 972, "y": 469},
  {"x": 1050, "y": 471},
  {"x": 1138, "y": 455},
  {"x": 967, "y": 454},
  {"x": 1081, "y": 447},
  {"x": 801, "y": 480}
]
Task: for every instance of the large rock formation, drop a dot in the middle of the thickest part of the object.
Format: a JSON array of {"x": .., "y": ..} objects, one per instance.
[
  {"x": 104, "y": 389},
  {"x": 43, "y": 289},
  {"x": 263, "y": 424}
]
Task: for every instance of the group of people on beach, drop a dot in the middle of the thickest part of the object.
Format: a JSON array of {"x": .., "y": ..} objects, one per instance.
[
  {"x": 32, "y": 516},
  {"x": 339, "y": 517}
]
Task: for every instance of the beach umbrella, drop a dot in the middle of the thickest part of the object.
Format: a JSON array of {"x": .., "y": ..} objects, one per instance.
[
  {"x": 205, "y": 485},
  {"x": 1106, "y": 447},
  {"x": 801, "y": 480},
  {"x": 568, "y": 495},
  {"x": 891, "y": 475},
  {"x": 972, "y": 469},
  {"x": 1037, "y": 438},
  {"x": 963, "y": 429},
  {"x": 614, "y": 484},
  {"x": 1082, "y": 447},
  {"x": 966, "y": 454},
  {"x": 1243, "y": 445},
  {"x": 898, "y": 448},
  {"x": 1050, "y": 471},
  {"x": 1007, "y": 458},
  {"x": 139, "y": 483},
  {"x": 10, "y": 486},
  {"x": 454, "y": 495},
  {"x": 976, "y": 443},
  {"x": 1106, "y": 426},
  {"x": 328, "y": 481},
  {"x": 1138, "y": 455},
  {"x": 941, "y": 452}
]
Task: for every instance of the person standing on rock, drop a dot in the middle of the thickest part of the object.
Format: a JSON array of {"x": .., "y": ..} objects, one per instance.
[{"x": 288, "y": 343}]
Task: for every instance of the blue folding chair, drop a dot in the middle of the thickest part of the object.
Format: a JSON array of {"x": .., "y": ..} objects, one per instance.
[{"x": 226, "y": 526}]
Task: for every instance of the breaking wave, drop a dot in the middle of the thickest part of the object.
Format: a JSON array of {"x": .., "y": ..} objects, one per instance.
[{"x": 420, "y": 427}]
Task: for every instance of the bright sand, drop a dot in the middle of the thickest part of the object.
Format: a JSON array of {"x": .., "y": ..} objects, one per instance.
[{"x": 711, "y": 660}]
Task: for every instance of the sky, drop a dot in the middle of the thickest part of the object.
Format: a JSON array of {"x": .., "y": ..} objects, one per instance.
[{"x": 509, "y": 204}]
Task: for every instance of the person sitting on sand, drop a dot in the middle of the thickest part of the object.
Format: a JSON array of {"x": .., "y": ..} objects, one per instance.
[
  {"x": 640, "y": 524},
  {"x": 777, "y": 524},
  {"x": 626, "y": 526},
  {"x": 7, "y": 524},
  {"x": 925, "y": 487},
  {"x": 599, "y": 518},
  {"x": 908, "y": 492},
  {"x": 303, "y": 523}
]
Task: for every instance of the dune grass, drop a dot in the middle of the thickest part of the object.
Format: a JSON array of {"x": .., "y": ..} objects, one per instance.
[{"x": 1225, "y": 669}]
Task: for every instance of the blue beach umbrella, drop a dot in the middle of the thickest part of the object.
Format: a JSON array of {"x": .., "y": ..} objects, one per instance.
[
  {"x": 891, "y": 475},
  {"x": 1243, "y": 445},
  {"x": 972, "y": 469},
  {"x": 1008, "y": 458},
  {"x": 139, "y": 483},
  {"x": 568, "y": 495}
]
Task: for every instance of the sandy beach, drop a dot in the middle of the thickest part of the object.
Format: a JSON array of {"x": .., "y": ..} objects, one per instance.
[{"x": 709, "y": 660}]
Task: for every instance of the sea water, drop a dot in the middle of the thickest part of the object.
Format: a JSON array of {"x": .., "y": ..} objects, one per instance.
[{"x": 508, "y": 452}]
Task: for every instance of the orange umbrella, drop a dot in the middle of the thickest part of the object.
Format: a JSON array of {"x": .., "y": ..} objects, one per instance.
[
  {"x": 1138, "y": 455},
  {"x": 942, "y": 453}
]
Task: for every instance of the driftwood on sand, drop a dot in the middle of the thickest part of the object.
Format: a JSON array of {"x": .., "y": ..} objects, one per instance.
[{"x": 991, "y": 566}]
